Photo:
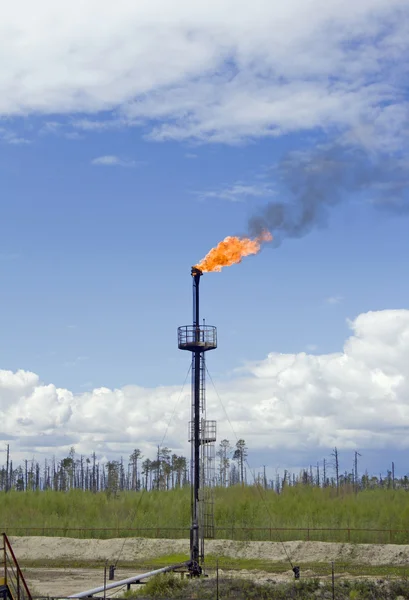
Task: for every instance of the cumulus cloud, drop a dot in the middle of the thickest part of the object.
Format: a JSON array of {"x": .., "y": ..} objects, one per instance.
[
  {"x": 355, "y": 398},
  {"x": 211, "y": 70}
]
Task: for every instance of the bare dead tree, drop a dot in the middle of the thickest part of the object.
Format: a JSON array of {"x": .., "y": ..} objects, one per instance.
[
  {"x": 240, "y": 455},
  {"x": 7, "y": 486},
  {"x": 356, "y": 479},
  {"x": 336, "y": 466}
]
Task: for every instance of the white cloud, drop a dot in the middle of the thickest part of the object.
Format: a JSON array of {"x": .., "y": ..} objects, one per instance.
[
  {"x": 211, "y": 70},
  {"x": 99, "y": 125},
  {"x": 239, "y": 192},
  {"x": 10, "y": 137},
  {"x": 356, "y": 398},
  {"x": 334, "y": 299},
  {"x": 112, "y": 161}
]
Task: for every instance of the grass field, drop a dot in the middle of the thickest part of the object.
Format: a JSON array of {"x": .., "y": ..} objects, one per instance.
[{"x": 235, "y": 508}]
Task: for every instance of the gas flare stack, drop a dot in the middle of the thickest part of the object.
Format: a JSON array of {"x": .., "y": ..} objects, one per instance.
[{"x": 198, "y": 339}]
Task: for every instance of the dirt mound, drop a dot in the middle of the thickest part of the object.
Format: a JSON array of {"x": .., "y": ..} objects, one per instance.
[{"x": 43, "y": 548}]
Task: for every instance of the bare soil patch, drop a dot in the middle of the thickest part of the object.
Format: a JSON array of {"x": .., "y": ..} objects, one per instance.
[{"x": 62, "y": 582}]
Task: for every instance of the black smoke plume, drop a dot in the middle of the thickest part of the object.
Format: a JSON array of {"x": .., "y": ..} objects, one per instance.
[{"x": 314, "y": 181}]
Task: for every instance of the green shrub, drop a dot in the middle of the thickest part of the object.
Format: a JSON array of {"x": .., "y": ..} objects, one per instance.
[
  {"x": 167, "y": 514},
  {"x": 166, "y": 585}
]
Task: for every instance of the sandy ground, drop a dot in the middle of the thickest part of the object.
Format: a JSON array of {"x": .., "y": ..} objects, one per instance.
[{"x": 61, "y": 582}]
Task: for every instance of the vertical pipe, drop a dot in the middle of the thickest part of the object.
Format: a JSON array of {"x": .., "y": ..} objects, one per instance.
[
  {"x": 196, "y": 280},
  {"x": 196, "y": 452},
  {"x": 194, "y": 539}
]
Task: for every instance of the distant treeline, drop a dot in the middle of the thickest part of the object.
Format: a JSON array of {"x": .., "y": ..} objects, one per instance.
[{"x": 168, "y": 470}]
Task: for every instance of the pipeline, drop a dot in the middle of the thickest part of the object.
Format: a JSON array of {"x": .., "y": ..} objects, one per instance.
[{"x": 129, "y": 580}]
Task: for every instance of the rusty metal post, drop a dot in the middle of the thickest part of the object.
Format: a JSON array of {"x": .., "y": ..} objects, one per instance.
[
  {"x": 5, "y": 558},
  {"x": 217, "y": 579},
  {"x": 105, "y": 581},
  {"x": 333, "y": 580}
]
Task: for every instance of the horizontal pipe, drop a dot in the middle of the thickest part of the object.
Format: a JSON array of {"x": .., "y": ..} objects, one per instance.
[{"x": 134, "y": 579}]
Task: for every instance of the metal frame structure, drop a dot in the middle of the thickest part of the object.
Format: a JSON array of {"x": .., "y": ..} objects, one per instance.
[
  {"x": 198, "y": 339},
  {"x": 12, "y": 582}
]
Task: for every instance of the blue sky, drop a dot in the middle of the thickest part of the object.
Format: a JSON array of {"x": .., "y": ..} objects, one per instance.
[
  {"x": 98, "y": 261},
  {"x": 118, "y": 174}
]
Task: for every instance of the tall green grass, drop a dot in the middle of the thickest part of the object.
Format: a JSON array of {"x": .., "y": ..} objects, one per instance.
[{"x": 238, "y": 511}]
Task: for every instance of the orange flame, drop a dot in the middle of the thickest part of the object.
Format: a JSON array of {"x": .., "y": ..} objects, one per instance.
[{"x": 231, "y": 251}]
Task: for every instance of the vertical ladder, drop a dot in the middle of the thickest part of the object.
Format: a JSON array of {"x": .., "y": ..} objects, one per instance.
[
  {"x": 207, "y": 461},
  {"x": 202, "y": 390},
  {"x": 13, "y": 586},
  {"x": 207, "y": 473},
  {"x": 208, "y": 491}
]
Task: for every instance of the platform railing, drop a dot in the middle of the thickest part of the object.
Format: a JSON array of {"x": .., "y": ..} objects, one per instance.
[
  {"x": 13, "y": 577},
  {"x": 204, "y": 336}
]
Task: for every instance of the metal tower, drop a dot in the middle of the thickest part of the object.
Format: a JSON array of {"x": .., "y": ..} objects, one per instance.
[{"x": 198, "y": 339}]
